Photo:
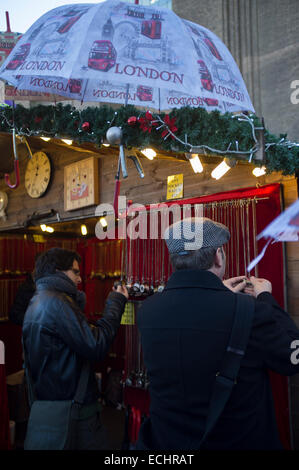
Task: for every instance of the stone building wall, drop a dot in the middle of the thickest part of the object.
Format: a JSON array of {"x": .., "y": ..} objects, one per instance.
[{"x": 262, "y": 36}]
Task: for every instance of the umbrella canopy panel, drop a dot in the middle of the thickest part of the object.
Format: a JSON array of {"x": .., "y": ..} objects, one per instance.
[{"x": 123, "y": 53}]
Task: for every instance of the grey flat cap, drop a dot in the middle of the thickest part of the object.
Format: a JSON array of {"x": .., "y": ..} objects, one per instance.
[{"x": 195, "y": 233}]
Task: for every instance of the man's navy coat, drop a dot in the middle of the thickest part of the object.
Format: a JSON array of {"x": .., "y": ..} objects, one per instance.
[{"x": 184, "y": 333}]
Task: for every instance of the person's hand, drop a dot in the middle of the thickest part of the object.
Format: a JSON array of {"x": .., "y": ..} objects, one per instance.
[
  {"x": 121, "y": 289},
  {"x": 248, "y": 289},
  {"x": 235, "y": 284},
  {"x": 260, "y": 285}
]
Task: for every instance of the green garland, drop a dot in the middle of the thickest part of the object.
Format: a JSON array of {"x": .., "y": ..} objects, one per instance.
[{"x": 199, "y": 127}]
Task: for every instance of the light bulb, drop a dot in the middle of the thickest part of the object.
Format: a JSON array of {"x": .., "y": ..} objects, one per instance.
[
  {"x": 83, "y": 229},
  {"x": 46, "y": 138},
  {"x": 259, "y": 171},
  {"x": 106, "y": 145},
  {"x": 50, "y": 229},
  {"x": 67, "y": 141},
  {"x": 196, "y": 163},
  {"x": 43, "y": 227},
  {"x": 223, "y": 168},
  {"x": 103, "y": 222},
  {"x": 149, "y": 153}
]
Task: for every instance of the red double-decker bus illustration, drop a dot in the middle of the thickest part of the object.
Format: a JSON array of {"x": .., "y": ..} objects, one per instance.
[
  {"x": 75, "y": 85},
  {"x": 102, "y": 56},
  {"x": 144, "y": 93},
  {"x": 151, "y": 29},
  {"x": 211, "y": 102},
  {"x": 74, "y": 15},
  {"x": 19, "y": 57},
  {"x": 205, "y": 76},
  {"x": 207, "y": 40},
  {"x": 213, "y": 49}
]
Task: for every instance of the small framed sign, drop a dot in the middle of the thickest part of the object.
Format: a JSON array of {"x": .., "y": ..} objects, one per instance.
[
  {"x": 175, "y": 186},
  {"x": 81, "y": 184}
]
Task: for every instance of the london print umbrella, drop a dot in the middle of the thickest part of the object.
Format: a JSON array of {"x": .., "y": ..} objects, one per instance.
[{"x": 119, "y": 52}]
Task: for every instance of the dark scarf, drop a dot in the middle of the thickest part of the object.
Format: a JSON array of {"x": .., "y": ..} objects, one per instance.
[{"x": 62, "y": 283}]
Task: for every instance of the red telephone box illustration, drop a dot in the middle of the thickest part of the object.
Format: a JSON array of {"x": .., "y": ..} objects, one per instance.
[
  {"x": 102, "y": 56},
  {"x": 205, "y": 76},
  {"x": 75, "y": 85},
  {"x": 19, "y": 57},
  {"x": 144, "y": 93},
  {"x": 151, "y": 29}
]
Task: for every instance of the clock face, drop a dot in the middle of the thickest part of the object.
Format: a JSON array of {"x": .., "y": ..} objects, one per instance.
[
  {"x": 37, "y": 174},
  {"x": 81, "y": 184}
]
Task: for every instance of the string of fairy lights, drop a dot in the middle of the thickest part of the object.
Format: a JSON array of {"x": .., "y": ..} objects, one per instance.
[{"x": 232, "y": 153}]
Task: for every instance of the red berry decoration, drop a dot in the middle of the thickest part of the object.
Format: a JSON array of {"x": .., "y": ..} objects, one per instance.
[
  {"x": 85, "y": 126},
  {"x": 132, "y": 121}
]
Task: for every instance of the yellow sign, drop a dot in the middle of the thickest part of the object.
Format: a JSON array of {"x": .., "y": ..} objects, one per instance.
[
  {"x": 38, "y": 238},
  {"x": 128, "y": 317},
  {"x": 175, "y": 186}
]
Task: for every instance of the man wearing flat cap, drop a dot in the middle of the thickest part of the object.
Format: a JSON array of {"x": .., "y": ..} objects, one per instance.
[{"x": 185, "y": 331}]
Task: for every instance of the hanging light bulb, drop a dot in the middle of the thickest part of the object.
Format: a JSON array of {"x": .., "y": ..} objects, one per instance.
[
  {"x": 83, "y": 229},
  {"x": 67, "y": 141},
  {"x": 223, "y": 168},
  {"x": 46, "y": 138},
  {"x": 195, "y": 162},
  {"x": 149, "y": 153},
  {"x": 259, "y": 171},
  {"x": 103, "y": 222},
  {"x": 49, "y": 229},
  {"x": 43, "y": 227}
]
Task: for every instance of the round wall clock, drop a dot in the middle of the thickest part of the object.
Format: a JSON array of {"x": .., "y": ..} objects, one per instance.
[{"x": 37, "y": 174}]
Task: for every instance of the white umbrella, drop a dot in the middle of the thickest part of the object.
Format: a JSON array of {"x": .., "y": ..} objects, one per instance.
[
  {"x": 284, "y": 228},
  {"x": 118, "y": 52}
]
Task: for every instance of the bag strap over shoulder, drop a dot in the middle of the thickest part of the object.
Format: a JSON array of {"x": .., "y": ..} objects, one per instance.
[{"x": 227, "y": 375}]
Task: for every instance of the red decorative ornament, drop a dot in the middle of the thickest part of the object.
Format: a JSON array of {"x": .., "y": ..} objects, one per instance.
[
  {"x": 170, "y": 123},
  {"x": 38, "y": 119},
  {"x": 85, "y": 126},
  {"x": 132, "y": 121},
  {"x": 147, "y": 122}
]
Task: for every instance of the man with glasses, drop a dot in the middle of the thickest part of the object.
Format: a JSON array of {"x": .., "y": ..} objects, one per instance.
[{"x": 58, "y": 340}]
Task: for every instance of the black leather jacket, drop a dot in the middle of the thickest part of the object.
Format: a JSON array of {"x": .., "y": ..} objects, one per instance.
[{"x": 57, "y": 337}]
